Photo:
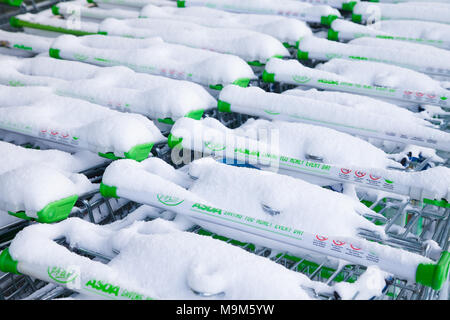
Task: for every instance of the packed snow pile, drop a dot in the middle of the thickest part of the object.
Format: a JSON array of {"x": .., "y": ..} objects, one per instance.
[
  {"x": 23, "y": 41},
  {"x": 400, "y": 53},
  {"x": 297, "y": 9},
  {"x": 257, "y": 102},
  {"x": 383, "y": 75},
  {"x": 361, "y": 103},
  {"x": 31, "y": 179},
  {"x": 181, "y": 262},
  {"x": 95, "y": 14},
  {"x": 286, "y": 30},
  {"x": 426, "y": 32},
  {"x": 225, "y": 149},
  {"x": 248, "y": 191},
  {"x": 434, "y": 11},
  {"x": 47, "y": 21},
  {"x": 292, "y": 139}
]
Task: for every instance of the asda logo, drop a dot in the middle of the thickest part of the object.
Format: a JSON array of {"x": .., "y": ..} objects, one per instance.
[
  {"x": 206, "y": 208},
  {"x": 271, "y": 112},
  {"x": 214, "y": 146},
  {"x": 103, "y": 287},
  {"x": 169, "y": 200},
  {"x": 301, "y": 79},
  {"x": 61, "y": 275},
  {"x": 80, "y": 57}
]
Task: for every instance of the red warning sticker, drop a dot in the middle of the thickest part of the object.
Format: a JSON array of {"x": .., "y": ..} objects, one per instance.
[
  {"x": 345, "y": 171},
  {"x": 360, "y": 174},
  {"x": 374, "y": 178},
  {"x": 354, "y": 248},
  {"x": 338, "y": 242},
  {"x": 321, "y": 238}
]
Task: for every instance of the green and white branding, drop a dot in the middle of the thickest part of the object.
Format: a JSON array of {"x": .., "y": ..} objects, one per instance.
[
  {"x": 169, "y": 200},
  {"x": 214, "y": 146},
  {"x": 301, "y": 79},
  {"x": 62, "y": 275},
  {"x": 80, "y": 57}
]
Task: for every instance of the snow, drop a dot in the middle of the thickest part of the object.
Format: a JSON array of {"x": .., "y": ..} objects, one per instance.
[
  {"x": 301, "y": 205},
  {"x": 434, "y": 182},
  {"x": 24, "y": 173},
  {"x": 369, "y": 284},
  {"x": 380, "y": 74},
  {"x": 245, "y": 190},
  {"x": 361, "y": 103},
  {"x": 290, "y": 8},
  {"x": 134, "y": 3},
  {"x": 37, "y": 112},
  {"x": 43, "y": 70},
  {"x": 297, "y": 140},
  {"x": 72, "y": 8},
  {"x": 286, "y": 30},
  {"x": 334, "y": 3},
  {"x": 437, "y": 12},
  {"x": 14, "y": 157},
  {"x": 400, "y": 53},
  {"x": 180, "y": 262},
  {"x": 256, "y": 101},
  {"x": 154, "y": 56},
  {"x": 30, "y": 179},
  {"x": 247, "y": 44},
  {"x": 23, "y": 189},
  {"x": 114, "y": 87},
  {"x": 430, "y": 32},
  {"x": 22, "y": 41},
  {"x": 250, "y": 192},
  {"x": 46, "y": 18}
]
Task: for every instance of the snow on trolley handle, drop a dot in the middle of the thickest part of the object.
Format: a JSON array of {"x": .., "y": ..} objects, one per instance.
[
  {"x": 251, "y": 152},
  {"x": 417, "y": 269},
  {"x": 300, "y": 75},
  {"x": 154, "y": 56},
  {"x": 256, "y": 102},
  {"x": 90, "y": 283},
  {"x": 319, "y": 13}
]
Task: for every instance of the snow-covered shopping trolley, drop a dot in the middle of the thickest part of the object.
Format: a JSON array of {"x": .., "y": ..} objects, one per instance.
[
  {"x": 256, "y": 102},
  {"x": 367, "y": 12},
  {"x": 76, "y": 124},
  {"x": 118, "y": 88},
  {"x": 145, "y": 245},
  {"x": 286, "y": 30},
  {"x": 319, "y": 14},
  {"x": 24, "y": 174},
  {"x": 400, "y": 53},
  {"x": 46, "y": 24},
  {"x": 411, "y": 200},
  {"x": 24, "y": 42},
  {"x": 156, "y": 57},
  {"x": 254, "y": 47},
  {"x": 403, "y": 86},
  {"x": 90, "y": 207},
  {"x": 424, "y": 32}
]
